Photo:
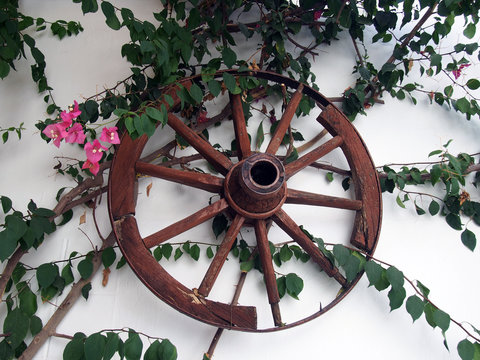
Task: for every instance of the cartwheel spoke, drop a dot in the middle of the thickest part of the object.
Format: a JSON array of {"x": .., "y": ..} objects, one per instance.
[
  {"x": 186, "y": 224},
  {"x": 268, "y": 271},
  {"x": 221, "y": 255},
  {"x": 240, "y": 126},
  {"x": 287, "y": 224},
  {"x": 285, "y": 121},
  {"x": 197, "y": 180},
  {"x": 308, "y": 198},
  {"x": 312, "y": 156},
  {"x": 220, "y": 162}
]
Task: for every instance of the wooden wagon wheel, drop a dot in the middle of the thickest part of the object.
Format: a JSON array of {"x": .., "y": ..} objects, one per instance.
[{"x": 253, "y": 191}]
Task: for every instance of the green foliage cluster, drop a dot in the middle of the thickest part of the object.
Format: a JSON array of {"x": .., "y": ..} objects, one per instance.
[
  {"x": 104, "y": 345},
  {"x": 455, "y": 204}
]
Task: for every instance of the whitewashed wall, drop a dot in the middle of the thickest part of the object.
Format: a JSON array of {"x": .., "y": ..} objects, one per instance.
[{"x": 361, "y": 327}]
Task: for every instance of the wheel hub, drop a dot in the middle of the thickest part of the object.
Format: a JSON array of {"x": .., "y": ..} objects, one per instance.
[{"x": 255, "y": 187}]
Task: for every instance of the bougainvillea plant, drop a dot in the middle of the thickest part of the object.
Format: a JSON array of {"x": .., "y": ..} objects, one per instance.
[{"x": 201, "y": 37}]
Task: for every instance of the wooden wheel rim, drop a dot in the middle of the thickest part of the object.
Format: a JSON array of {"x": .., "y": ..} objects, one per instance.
[{"x": 122, "y": 203}]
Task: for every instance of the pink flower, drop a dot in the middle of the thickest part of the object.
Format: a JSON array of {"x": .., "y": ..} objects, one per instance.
[
  {"x": 74, "y": 111},
  {"x": 458, "y": 72},
  {"x": 317, "y": 14},
  {"x": 75, "y": 134},
  {"x": 110, "y": 135},
  {"x": 94, "y": 151},
  {"x": 56, "y": 132},
  {"x": 93, "y": 167},
  {"x": 66, "y": 119}
]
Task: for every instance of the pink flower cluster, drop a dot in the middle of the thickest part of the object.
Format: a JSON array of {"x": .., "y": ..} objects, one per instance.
[
  {"x": 73, "y": 133},
  {"x": 458, "y": 72}
]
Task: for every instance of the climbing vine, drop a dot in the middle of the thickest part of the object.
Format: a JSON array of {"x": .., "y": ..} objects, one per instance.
[{"x": 187, "y": 38}]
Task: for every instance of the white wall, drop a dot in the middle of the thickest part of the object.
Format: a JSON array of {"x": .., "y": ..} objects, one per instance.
[{"x": 361, "y": 326}]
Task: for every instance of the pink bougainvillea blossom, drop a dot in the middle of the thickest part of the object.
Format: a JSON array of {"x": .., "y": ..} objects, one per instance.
[
  {"x": 74, "y": 110},
  {"x": 110, "y": 135},
  {"x": 56, "y": 132},
  {"x": 75, "y": 134},
  {"x": 317, "y": 14},
  {"x": 93, "y": 167},
  {"x": 66, "y": 119},
  {"x": 458, "y": 72},
  {"x": 94, "y": 151}
]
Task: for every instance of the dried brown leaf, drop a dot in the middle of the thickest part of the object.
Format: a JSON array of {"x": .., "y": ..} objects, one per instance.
[
  {"x": 106, "y": 274},
  {"x": 149, "y": 187},
  {"x": 83, "y": 218}
]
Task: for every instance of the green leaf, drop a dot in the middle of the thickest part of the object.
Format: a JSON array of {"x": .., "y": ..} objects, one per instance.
[
  {"x": 419, "y": 210},
  {"x": 246, "y": 266},
  {"x": 111, "y": 346},
  {"x": 454, "y": 221},
  {"x": 423, "y": 289},
  {"x": 167, "y": 250},
  {"x": 415, "y": 307},
  {"x": 281, "y": 286},
  {"x": 16, "y": 227},
  {"x": 111, "y": 18},
  {"x": 341, "y": 254},
  {"x": 285, "y": 253},
  {"x": 399, "y": 202},
  {"x": 8, "y": 244},
  {"x": 67, "y": 274},
  {"x": 94, "y": 346},
  {"x": 108, "y": 256},
  {"x": 28, "y": 300},
  {"x": 6, "y": 204},
  {"x": 231, "y": 83},
  {"x": 133, "y": 346},
  {"x": 260, "y": 136},
  {"x": 433, "y": 208},
  {"x": 442, "y": 319},
  {"x": 66, "y": 217},
  {"x": 395, "y": 277},
  {"x": 46, "y": 274},
  {"x": 469, "y": 30},
  {"x": 167, "y": 351},
  {"x": 473, "y": 84},
  {"x": 229, "y": 57},
  {"x": 4, "y": 69},
  {"x": 35, "y": 325},
  {"x": 154, "y": 114},
  {"x": 329, "y": 176},
  {"x": 85, "y": 268},
  {"x": 209, "y": 252},
  {"x": 469, "y": 239},
  {"x": 465, "y": 349},
  {"x": 195, "y": 252},
  {"x": 196, "y": 93},
  {"x": 215, "y": 87},
  {"x": 462, "y": 104},
  {"x": 17, "y": 325},
  {"x": 178, "y": 254},
  {"x": 157, "y": 253},
  {"x": 219, "y": 224},
  {"x": 294, "y": 285},
  {"x": 74, "y": 350},
  {"x": 86, "y": 290},
  {"x": 152, "y": 351},
  {"x": 396, "y": 296},
  {"x": 374, "y": 272}
]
